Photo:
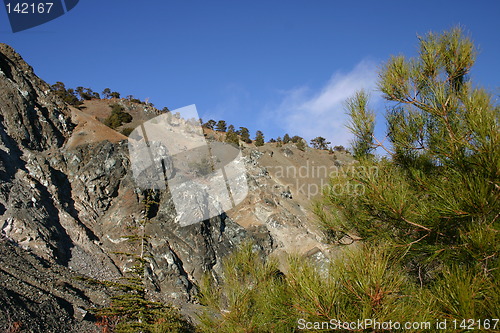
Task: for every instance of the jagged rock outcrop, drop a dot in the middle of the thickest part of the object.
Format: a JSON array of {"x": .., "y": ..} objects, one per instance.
[
  {"x": 70, "y": 205},
  {"x": 37, "y": 295}
]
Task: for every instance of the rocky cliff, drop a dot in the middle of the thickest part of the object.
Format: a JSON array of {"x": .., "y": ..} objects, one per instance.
[{"x": 68, "y": 200}]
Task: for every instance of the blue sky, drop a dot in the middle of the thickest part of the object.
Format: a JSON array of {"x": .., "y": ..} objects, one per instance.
[{"x": 275, "y": 66}]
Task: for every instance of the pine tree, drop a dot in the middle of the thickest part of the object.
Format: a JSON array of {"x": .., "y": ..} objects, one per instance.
[
  {"x": 221, "y": 126},
  {"x": 439, "y": 194},
  {"x": 245, "y": 135},
  {"x": 320, "y": 143},
  {"x": 79, "y": 91},
  {"x": 210, "y": 124},
  {"x": 259, "y": 139},
  {"x": 106, "y": 93},
  {"x": 286, "y": 138},
  {"x": 68, "y": 96},
  {"x": 232, "y": 137},
  {"x": 362, "y": 124}
]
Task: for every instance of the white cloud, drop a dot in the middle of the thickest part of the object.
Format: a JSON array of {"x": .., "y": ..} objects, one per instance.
[{"x": 311, "y": 114}]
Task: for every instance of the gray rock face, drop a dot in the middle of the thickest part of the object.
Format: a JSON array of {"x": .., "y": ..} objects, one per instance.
[
  {"x": 40, "y": 296},
  {"x": 72, "y": 208},
  {"x": 31, "y": 116},
  {"x": 33, "y": 124}
]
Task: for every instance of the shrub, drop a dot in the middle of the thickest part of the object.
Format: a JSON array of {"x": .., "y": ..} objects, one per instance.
[
  {"x": 117, "y": 117},
  {"x": 301, "y": 145}
]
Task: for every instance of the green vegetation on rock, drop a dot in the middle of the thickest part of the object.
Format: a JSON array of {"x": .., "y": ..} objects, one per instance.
[
  {"x": 131, "y": 310},
  {"x": 421, "y": 223},
  {"x": 118, "y": 117}
]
